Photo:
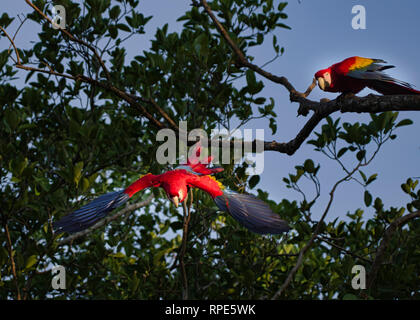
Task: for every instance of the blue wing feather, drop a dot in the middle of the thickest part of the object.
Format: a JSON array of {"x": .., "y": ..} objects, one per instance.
[
  {"x": 91, "y": 213},
  {"x": 252, "y": 213}
]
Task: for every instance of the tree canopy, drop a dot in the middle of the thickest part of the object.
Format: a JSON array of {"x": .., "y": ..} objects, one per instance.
[{"x": 79, "y": 119}]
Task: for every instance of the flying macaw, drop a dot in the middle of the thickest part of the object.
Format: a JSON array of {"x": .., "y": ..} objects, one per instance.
[
  {"x": 250, "y": 211},
  {"x": 353, "y": 74}
]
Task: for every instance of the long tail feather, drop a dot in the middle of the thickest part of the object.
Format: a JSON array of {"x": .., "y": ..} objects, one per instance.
[
  {"x": 391, "y": 87},
  {"x": 252, "y": 213},
  {"x": 90, "y": 213}
]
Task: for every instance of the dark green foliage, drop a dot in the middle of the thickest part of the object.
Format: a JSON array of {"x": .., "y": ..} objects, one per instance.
[{"x": 62, "y": 142}]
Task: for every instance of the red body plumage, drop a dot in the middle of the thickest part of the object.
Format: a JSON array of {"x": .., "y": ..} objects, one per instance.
[
  {"x": 176, "y": 182},
  {"x": 356, "y": 73},
  {"x": 250, "y": 211}
]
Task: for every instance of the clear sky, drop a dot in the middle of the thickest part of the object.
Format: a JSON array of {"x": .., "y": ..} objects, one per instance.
[{"x": 321, "y": 35}]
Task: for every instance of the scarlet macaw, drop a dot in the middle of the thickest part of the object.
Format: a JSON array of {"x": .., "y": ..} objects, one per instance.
[
  {"x": 355, "y": 73},
  {"x": 247, "y": 209}
]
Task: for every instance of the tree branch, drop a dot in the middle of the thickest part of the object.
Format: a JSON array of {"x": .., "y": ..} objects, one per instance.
[
  {"x": 187, "y": 218},
  {"x": 380, "y": 253},
  {"x": 244, "y": 61},
  {"x": 74, "y": 39},
  {"x": 13, "y": 44},
  {"x": 12, "y": 260},
  {"x": 368, "y": 104},
  {"x": 321, "y": 110},
  {"x": 302, "y": 253},
  {"x": 321, "y": 238},
  {"x": 131, "y": 99}
]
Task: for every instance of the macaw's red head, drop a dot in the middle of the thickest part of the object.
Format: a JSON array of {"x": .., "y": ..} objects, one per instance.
[
  {"x": 176, "y": 192},
  {"x": 323, "y": 77}
]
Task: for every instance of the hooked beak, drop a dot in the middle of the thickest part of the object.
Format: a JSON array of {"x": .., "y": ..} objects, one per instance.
[
  {"x": 321, "y": 83},
  {"x": 175, "y": 200}
]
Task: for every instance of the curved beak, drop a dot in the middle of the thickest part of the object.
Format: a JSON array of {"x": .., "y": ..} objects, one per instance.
[
  {"x": 321, "y": 83},
  {"x": 175, "y": 200}
]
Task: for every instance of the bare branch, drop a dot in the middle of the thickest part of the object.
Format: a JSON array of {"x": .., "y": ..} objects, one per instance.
[
  {"x": 369, "y": 104},
  {"x": 242, "y": 59},
  {"x": 321, "y": 110},
  {"x": 12, "y": 43},
  {"x": 343, "y": 249},
  {"x": 74, "y": 39}
]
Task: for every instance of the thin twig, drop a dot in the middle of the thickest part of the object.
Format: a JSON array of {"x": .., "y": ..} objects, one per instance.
[
  {"x": 380, "y": 253},
  {"x": 343, "y": 249},
  {"x": 12, "y": 260},
  {"x": 13, "y": 44},
  {"x": 314, "y": 235},
  {"x": 74, "y": 39},
  {"x": 321, "y": 110},
  {"x": 187, "y": 218}
]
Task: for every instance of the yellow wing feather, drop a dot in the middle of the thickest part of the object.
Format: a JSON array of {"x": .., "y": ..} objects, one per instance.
[
  {"x": 361, "y": 63},
  {"x": 221, "y": 186}
]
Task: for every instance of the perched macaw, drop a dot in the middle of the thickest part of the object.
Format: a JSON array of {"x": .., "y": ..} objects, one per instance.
[
  {"x": 356, "y": 73},
  {"x": 250, "y": 211}
]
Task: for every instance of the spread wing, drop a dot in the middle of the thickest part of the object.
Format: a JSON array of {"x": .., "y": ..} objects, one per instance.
[
  {"x": 248, "y": 210},
  {"x": 146, "y": 181},
  {"x": 90, "y": 213},
  {"x": 98, "y": 208},
  {"x": 252, "y": 213}
]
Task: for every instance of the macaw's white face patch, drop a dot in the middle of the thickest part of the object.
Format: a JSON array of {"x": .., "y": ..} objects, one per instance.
[{"x": 325, "y": 81}]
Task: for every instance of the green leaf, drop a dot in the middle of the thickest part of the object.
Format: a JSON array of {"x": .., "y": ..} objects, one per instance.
[
  {"x": 118, "y": 255},
  {"x": 31, "y": 261},
  {"x": 363, "y": 175},
  {"x": 114, "y": 12},
  {"x": 113, "y": 31},
  {"x": 254, "y": 181},
  {"x": 405, "y": 122},
  {"x": 201, "y": 45},
  {"x": 309, "y": 166},
  {"x": 273, "y": 125},
  {"x": 123, "y": 27},
  {"x": 251, "y": 80},
  {"x": 371, "y": 178},
  {"x": 368, "y": 198},
  {"x": 77, "y": 172},
  {"x": 350, "y": 296},
  {"x": 12, "y": 118},
  {"x": 281, "y": 6},
  {"x": 5, "y": 21},
  {"x": 85, "y": 184},
  {"x": 342, "y": 151},
  {"x": 406, "y": 188},
  {"x": 360, "y": 155}
]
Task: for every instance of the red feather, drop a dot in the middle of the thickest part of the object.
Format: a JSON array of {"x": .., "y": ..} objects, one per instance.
[{"x": 356, "y": 73}]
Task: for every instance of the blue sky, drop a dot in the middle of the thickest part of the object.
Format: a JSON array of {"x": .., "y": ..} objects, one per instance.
[{"x": 321, "y": 35}]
